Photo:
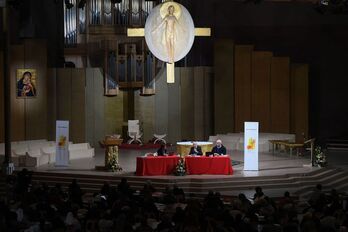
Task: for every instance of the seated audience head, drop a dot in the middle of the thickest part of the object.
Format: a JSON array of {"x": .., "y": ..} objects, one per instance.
[
  {"x": 242, "y": 197},
  {"x": 319, "y": 187},
  {"x": 195, "y": 144},
  {"x": 124, "y": 180},
  {"x": 258, "y": 193},
  {"x": 287, "y": 194}
]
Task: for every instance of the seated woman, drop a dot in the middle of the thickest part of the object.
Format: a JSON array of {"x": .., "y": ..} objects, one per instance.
[
  {"x": 162, "y": 150},
  {"x": 195, "y": 149}
]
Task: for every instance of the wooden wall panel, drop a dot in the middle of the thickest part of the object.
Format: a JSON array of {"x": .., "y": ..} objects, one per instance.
[
  {"x": 224, "y": 86},
  {"x": 77, "y": 123},
  {"x": 51, "y": 103},
  {"x": 99, "y": 105},
  {"x": 2, "y": 125},
  {"x": 299, "y": 101},
  {"x": 17, "y": 105},
  {"x": 198, "y": 102},
  {"x": 113, "y": 111},
  {"x": 145, "y": 111},
  {"x": 35, "y": 57},
  {"x": 242, "y": 82},
  {"x": 161, "y": 104},
  {"x": 187, "y": 104},
  {"x": 280, "y": 95},
  {"x": 208, "y": 102},
  {"x": 173, "y": 108},
  {"x": 90, "y": 109},
  {"x": 261, "y": 77},
  {"x": 64, "y": 86}
]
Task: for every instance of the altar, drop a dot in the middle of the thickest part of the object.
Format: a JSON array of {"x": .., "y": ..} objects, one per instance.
[{"x": 183, "y": 148}]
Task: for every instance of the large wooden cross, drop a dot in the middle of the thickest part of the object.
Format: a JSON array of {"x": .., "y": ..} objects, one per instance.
[{"x": 140, "y": 32}]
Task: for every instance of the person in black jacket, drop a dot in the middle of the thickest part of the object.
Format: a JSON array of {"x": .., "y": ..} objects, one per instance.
[
  {"x": 162, "y": 150},
  {"x": 219, "y": 149},
  {"x": 195, "y": 149}
]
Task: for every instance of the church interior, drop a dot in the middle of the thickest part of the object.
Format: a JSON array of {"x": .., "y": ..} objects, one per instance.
[{"x": 136, "y": 115}]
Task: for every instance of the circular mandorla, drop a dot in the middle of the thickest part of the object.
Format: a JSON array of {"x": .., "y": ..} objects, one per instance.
[{"x": 169, "y": 31}]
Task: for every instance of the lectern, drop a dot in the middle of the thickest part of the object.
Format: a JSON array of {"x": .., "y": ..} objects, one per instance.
[{"x": 108, "y": 142}]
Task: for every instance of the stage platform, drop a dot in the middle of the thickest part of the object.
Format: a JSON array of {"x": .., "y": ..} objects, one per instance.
[
  {"x": 278, "y": 173},
  {"x": 277, "y": 164}
]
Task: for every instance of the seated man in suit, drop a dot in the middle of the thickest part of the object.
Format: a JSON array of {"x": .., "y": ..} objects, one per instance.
[
  {"x": 195, "y": 149},
  {"x": 162, "y": 150},
  {"x": 219, "y": 149}
]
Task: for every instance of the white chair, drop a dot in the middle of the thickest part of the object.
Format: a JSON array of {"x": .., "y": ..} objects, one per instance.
[
  {"x": 80, "y": 150},
  {"x": 159, "y": 138},
  {"x": 135, "y": 137},
  {"x": 50, "y": 152},
  {"x": 36, "y": 159},
  {"x": 30, "y": 143},
  {"x": 134, "y": 132},
  {"x": 18, "y": 154}
]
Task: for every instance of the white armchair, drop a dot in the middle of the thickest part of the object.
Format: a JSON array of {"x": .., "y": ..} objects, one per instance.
[
  {"x": 135, "y": 137},
  {"x": 50, "y": 152},
  {"x": 36, "y": 159},
  {"x": 134, "y": 132},
  {"x": 80, "y": 150},
  {"x": 159, "y": 138}
]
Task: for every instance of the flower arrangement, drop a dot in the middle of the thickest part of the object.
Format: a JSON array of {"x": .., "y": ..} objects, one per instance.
[
  {"x": 113, "y": 164},
  {"x": 180, "y": 169},
  {"x": 320, "y": 156}
]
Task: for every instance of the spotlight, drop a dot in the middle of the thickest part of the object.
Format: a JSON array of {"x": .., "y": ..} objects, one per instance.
[
  {"x": 82, "y": 4},
  {"x": 68, "y": 4}
]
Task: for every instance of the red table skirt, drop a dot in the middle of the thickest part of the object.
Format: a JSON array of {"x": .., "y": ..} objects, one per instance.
[
  {"x": 209, "y": 165},
  {"x": 156, "y": 166}
]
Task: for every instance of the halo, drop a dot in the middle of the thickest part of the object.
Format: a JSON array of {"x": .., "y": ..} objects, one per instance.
[{"x": 164, "y": 9}]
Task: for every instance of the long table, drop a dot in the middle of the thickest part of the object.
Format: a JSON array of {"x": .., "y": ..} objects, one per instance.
[
  {"x": 209, "y": 165},
  {"x": 287, "y": 145},
  {"x": 165, "y": 165},
  {"x": 156, "y": 165}
]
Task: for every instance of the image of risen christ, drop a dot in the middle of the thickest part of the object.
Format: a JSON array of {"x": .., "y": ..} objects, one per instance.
[{"x": 169, "y": 21}]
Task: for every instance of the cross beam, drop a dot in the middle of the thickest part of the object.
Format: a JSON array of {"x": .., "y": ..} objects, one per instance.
[{"x": 140, "y": 32}]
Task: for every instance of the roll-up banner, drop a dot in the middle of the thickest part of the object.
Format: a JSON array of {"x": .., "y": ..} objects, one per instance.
[
  {"x": 62, "y": 143},
  {"x": 251, "y": 146}
]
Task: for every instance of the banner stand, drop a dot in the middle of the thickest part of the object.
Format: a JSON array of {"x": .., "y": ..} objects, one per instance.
[
  {"x": 62, "y": 143},
  {"x": 251, "y": 146}
]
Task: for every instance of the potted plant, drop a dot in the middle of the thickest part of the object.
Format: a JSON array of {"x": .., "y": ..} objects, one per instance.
[
  {"x": 180, "y": 169},
  {"x": 113, "y": 164},
  {"x": 320, "y": 157}
]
